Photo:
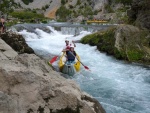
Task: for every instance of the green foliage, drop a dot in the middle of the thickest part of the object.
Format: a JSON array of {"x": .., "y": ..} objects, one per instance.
[
  {"x": 78, "y": 2},
  {"x": 26, "y": 15},
  {"x": 33, "y": 11},
  {"x": 104, "y": 40},
  {"x": 134, "y": 55},
  {"x": 119, "y": 54},
  {"x": 63, "y": 2},
  {"x": 44, "y": 21},
  {"x": 87, "y": 11},
  {"x": 63, "y": 13},
  {"x": 46, "y": 6},
  {"x": 109, "y": 9},
  {"x": 125, "y": 2},
  {"x": 95, "y": 12},
  {"x": 123, "y": 9},
  {"x": 43, "y": 8},
  {"x": 125, "y": 19},
  {"x": 8, "y": 24},
  {"x": 145, "y": 41},
  {"x": 27, "y": 1},
  {"x": 70, "y": 6},
  {"x": 5, "y": 6}
]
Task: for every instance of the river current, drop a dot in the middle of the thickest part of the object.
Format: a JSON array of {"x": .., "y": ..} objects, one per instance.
[{"x": 119, "y": 86}]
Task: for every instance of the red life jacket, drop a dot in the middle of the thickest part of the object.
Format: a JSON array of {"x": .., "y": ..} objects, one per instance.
[{"x": 67, "y": 47}]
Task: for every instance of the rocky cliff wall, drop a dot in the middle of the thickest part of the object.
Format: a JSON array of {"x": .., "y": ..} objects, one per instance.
[
  {"x": 125, "y": 42},
  {"x": 140, "y": 13}
]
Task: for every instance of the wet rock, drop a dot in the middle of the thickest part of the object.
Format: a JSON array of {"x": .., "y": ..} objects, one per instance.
[{"x": 17, "y": 42}]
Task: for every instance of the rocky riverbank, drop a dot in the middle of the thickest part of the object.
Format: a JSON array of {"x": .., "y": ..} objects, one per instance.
[
  {"x": 125, "y": 42},
  {"x": 29, "y": 85}
]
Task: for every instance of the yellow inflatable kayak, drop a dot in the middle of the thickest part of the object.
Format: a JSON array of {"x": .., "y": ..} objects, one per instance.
[{"x": 68, "y": 67}]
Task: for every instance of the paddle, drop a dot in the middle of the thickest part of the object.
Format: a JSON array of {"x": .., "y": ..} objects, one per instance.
[
  {"x": 80, "y": 61},
  {"x": 54, "y": 58}
]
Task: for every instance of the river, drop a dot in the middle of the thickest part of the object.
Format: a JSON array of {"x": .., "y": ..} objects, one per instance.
[{"x": 119, "y": 86}]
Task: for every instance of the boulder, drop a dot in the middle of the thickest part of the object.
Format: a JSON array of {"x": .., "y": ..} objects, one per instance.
[
  {"x": 17, "y": 42},
  {"x": 6, "y": 52},
  {"x": 133, "y": 43}
]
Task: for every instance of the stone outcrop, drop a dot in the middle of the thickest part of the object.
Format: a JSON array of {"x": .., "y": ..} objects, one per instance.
[
  {"x": 29, "y": 85},
  {"x": 133, "y": 43},
  {"x": 125, "y": 42},
  {"x": 17, "y": 42},
  {"x": 53, "y": 5},
  {"x": 140, "y": 13}
]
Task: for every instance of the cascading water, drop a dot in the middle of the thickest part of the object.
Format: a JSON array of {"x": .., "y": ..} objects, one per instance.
[{"x": 119, "y": 87}]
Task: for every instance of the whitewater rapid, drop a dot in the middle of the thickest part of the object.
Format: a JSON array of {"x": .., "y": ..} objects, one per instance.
[{"x": 118, "y": 86}]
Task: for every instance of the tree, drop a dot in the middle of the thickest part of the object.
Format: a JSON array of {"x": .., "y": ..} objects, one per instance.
[{"x": 63, "y": 2}]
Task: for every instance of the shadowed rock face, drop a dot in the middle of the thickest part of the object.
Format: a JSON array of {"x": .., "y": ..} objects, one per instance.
[
  {"x": 29, "y": 85},
  {"x": 17, "y": 42},
  {"x": 140, "y": 13}
]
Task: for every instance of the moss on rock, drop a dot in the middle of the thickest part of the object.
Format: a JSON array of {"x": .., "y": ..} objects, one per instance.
[
  {"x": 104, "y": 40},
  {"x": 124, "y": 42},
  {"x": 17, "y": 42}
]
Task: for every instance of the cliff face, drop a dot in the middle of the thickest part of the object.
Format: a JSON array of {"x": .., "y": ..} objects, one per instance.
[
  {"x": 125, "y": 42},
  {"x": 140, "y": 13},
  {"x": 53, "y": 5},
  {"x": 29, "y": 85}
]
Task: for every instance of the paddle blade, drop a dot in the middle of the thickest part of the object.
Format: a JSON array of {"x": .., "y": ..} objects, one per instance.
[
  {"x": 86, "y": 67},
  {"x": 53, "y": 59}
]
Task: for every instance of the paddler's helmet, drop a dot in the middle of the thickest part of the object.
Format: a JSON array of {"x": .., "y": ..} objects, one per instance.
[
  {"x": 71, "y": 46},
  {"x": 66, "y": 40}
]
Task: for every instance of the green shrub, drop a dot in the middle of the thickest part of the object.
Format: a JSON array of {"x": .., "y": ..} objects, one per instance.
[
  {"x": 27, "y": 1},
  {"x": 78, "y": 2},
  {"x": 120, "y": 54},
  {"x": 125, "y": 2},
  {"x": 63, "y": 2},
  {"x": 109, "y": 9},
  {"x": 44, "y": 21},
  {"x": 8, "y": 24},
  {"x": 46, "y": 6},
  {"x": 6, "y": 6},
  {"x": 104, "y": 40},
  {"x": 134, "y": 55},
  {"x": 63, "y": 13},
  {"x": 26, "y": 15},
  {"x": 87, "y": 11},
  {"x": 70, "y": 6}
]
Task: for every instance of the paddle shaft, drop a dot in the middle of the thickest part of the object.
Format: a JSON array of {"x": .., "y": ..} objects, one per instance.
[
  {"x": 54, "y": 58},
  {"x": 79, "y": 60}
]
